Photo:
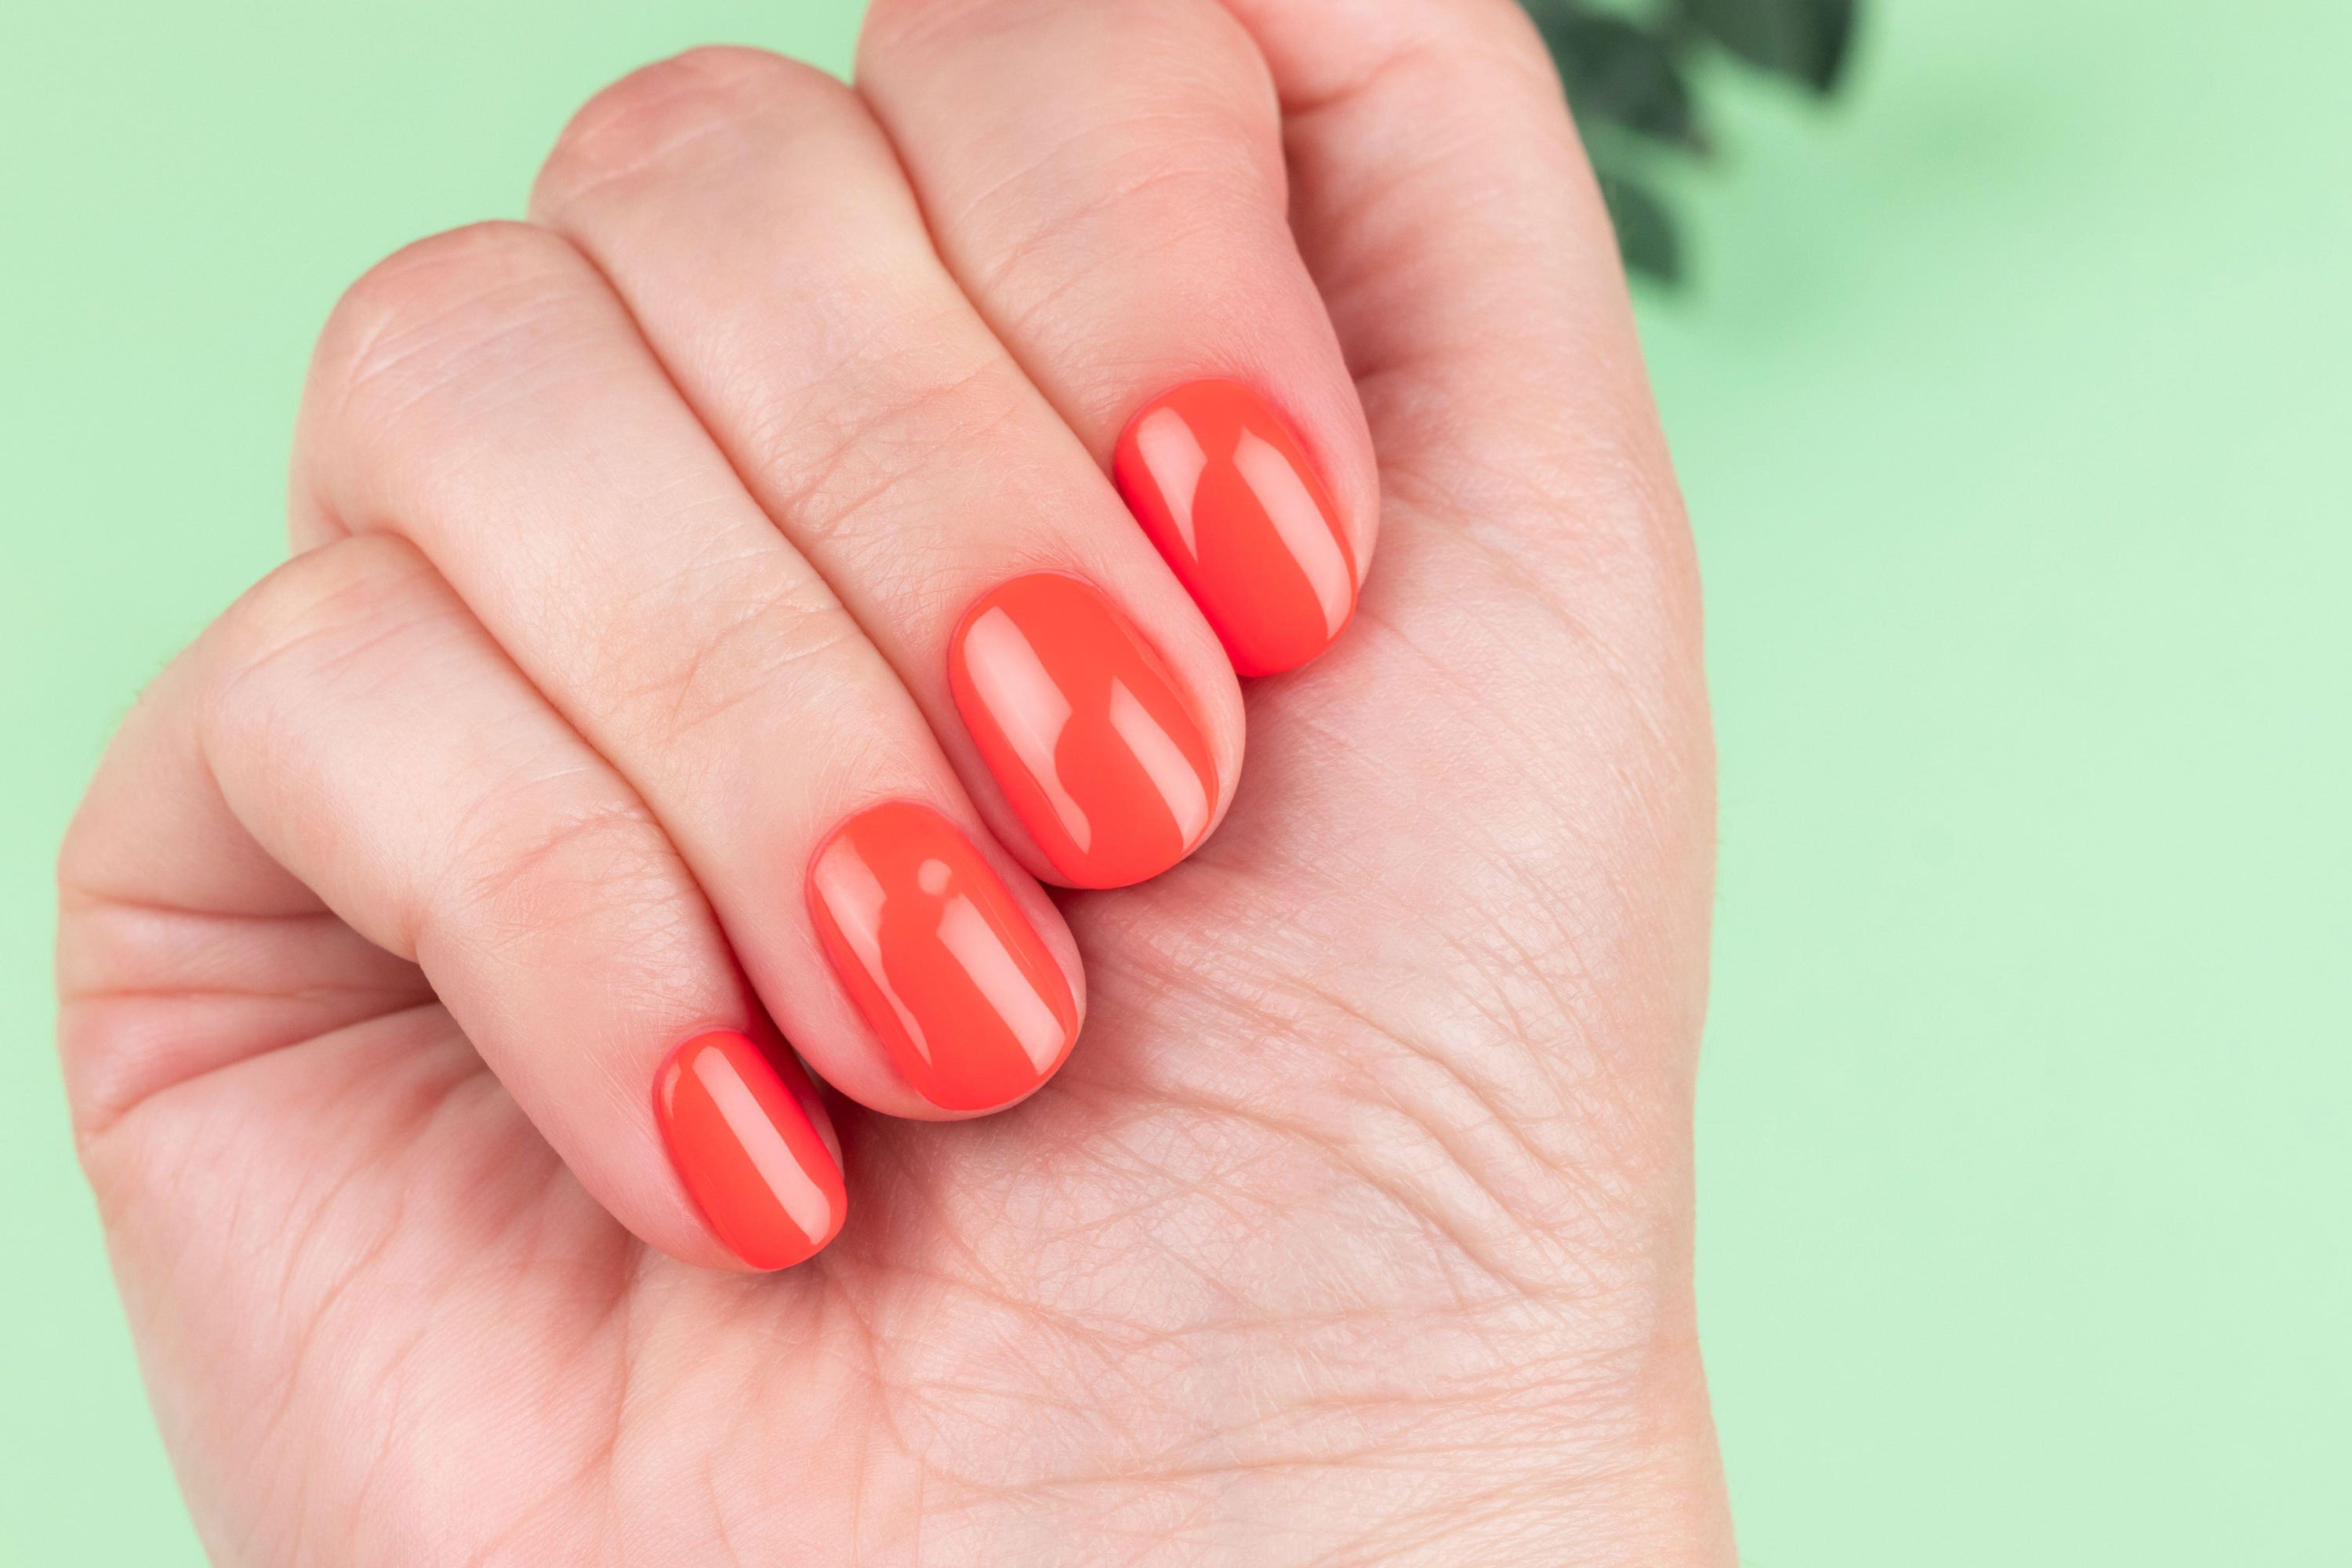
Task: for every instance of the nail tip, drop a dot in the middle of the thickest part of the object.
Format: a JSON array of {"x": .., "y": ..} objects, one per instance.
[
  {"x": 1092, "y": 879},
  {"x": 1253, "y": 665}
]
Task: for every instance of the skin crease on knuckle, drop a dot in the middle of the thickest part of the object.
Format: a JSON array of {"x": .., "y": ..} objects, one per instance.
[
  {"x": 431, "y": 312},
  {"x": 1357, "y": 1231}
]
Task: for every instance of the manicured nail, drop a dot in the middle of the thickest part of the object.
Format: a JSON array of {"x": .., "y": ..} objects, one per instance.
[
  {"x": 1083, "y": 727},
  {"x": 1224, "y": 486},
  {"x": 741, "y": 1139},
  {"x": 929, "y": 944}
]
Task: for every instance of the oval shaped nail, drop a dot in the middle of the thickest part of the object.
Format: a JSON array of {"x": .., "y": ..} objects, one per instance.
[
  {"x": 1084, "y": 728},
  {"x": 936, "y": 953},
  {"x": 1224, "y": 487}
]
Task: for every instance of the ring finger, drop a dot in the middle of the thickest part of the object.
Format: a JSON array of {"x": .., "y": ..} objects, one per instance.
[{"x": 756, "y": 222}]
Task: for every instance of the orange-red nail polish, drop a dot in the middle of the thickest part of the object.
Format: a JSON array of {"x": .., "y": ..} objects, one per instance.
[
  {"x": 1224, "y": 486},
  {"x": 1084, "y": 728},
  {"x": 930, "y": 945},
  {"x": 739, "y": 1131}
]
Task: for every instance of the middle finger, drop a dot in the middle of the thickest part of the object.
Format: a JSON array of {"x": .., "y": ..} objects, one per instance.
[{"x": 755, "y": 220}]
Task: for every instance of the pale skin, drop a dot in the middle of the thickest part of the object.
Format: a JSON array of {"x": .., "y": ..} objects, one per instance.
[{"x": 1356, "y": 1226}]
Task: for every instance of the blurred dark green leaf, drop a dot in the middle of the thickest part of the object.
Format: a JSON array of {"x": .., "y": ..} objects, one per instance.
[
  {"x": 1618, "y": 72},
  {"x": 1647, "y": 236},
  {"x": 1806, "y": 39},
  {"x": 1625, "y": 65}
]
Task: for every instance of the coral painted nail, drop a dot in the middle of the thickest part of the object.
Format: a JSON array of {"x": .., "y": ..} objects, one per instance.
[
  {"x": 930, "y": 945},
  {"x": 1225, "y": 488},
  {"x": 739, "y": 1132},
  {"x": 1084, "y": 728}
]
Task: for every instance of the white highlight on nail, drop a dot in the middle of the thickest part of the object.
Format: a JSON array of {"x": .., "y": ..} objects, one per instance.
[
  {"x": 801, "y": 1201},
  {"x": 854, "y": 896},
  {"x": 1163, "y": 759},
  {"x": 966, "y": 933},
  {"x": 1027, "y": 705},
  {"x": 1174, "y": 454},
  {"x": 1300, "y": 523}
]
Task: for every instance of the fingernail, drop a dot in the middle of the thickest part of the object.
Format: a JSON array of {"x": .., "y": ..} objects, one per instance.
[
  {"x": 1224, "y": 486},
  {"x": 744, "y": 1144},
  {"x": 929, "y": 944},
  {"x": 1083, "y": 727}
]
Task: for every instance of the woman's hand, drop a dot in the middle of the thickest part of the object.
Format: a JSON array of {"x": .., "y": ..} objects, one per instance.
[{"x": 715, "y": 604}]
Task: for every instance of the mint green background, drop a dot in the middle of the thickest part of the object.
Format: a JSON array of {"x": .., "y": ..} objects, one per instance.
[{"x": 2014, "y": 405}]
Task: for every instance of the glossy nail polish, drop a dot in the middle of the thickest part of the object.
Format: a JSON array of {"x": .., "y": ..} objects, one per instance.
[
  {"x": 740, "y": 1134},
  {"x": 1084, "y": 728},
  {"x": 928, "y": 942},
  {"x": 1225, "y": 489}
]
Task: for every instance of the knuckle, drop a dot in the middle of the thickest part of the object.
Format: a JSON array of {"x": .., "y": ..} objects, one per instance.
[
  {"x": 311, "y": 617},
  {"x": 333, "y": 592},
  {"x": 597, "y": 871},
  {"x": 904, "y": 26},
  {"x": 1173, "y": 144},
  {"x": 778, "y": 652},
  {"x": 1514, "y": 42},
  {"x": 1150, "y": 41},
  {"x": 431, "y": 312},
  {"x": 701, "y": 105},
  {"x": 842, "y": 477},
  {"x": 1494, "y": 44}
]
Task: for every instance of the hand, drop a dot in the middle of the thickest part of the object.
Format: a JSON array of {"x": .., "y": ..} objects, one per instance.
[{"x": 423, "y": 929}]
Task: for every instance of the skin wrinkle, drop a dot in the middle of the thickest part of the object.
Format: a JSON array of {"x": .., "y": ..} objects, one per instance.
[
  {"x": 1442, "y": 669},
  {"x": 1152, "y": 136},
  {"x": 228, "y": 991},
  {"x": 136, "y": 1071},
  {"x": 1567, "y": 1037},
  {"x": 754, "y": 90},
  {"x": 1517, "y": 1021},
  {"x": 1204, "y": 1187},
  {"x": 1480, "y": 1255},
  {"x": 300, "y": 1372},
  {"x": 1419, "y": 1049},
  {"x": 1445, "y": 1136},
  {"x": 263, "y": 634},
  {"x": 1196, "y": 229},
  {"x": 1207, "y": 1302},
  {"x": 82, "y": 897},
  {"x": 896, "y": 443},
  {"x": 1599, "y": 648},
  {"x": 896, "y": 341},
  {"x": 717, "y": 564},
  {"x": 1191, "y": 233},
  {"x": 1631, "y": 790},
  {"x": 395, "y": 1373},
  {"x": 483, "y": 900},
  {"x": 851, "y": 520},
  {"x": 791, "y": 648},
  {"x": 1386, "y": 1100},
  {"x": 508, "y": 298}
]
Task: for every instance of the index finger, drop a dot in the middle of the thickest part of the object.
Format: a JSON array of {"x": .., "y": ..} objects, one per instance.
[{"x": 1106, "y": 183}]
